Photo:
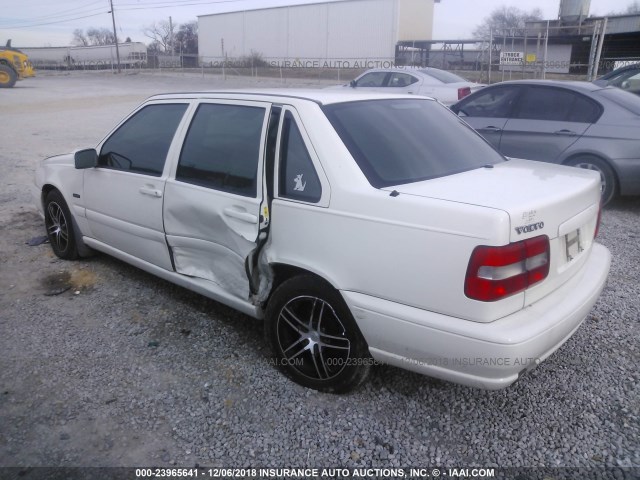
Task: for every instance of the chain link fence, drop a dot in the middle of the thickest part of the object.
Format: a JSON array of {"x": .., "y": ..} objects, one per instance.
[{"x": 539, "y": 51}]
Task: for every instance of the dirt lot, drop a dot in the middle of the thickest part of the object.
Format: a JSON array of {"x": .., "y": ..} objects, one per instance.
[{"x": 104, "y": 365}]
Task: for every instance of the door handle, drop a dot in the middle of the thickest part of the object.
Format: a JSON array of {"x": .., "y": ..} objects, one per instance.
[
  {"x": 491, "y": 128},
  {"x": 152, "y": 192},
  {"x": 566, "y": 132},
  {"x": 241, "y": 215}
]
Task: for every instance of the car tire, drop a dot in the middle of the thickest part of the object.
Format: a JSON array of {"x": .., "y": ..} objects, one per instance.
[
  {"x": 59, "y": 225},
  {"x": 314, "y": 338},
  {"x": 609, "y": 184},
  {"x": 8, "y": 76}
]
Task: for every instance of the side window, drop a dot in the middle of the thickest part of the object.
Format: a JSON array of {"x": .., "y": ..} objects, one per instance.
[
  {"x": 494, "y": 103},
  {"x": 298, "y": 179},
  {"x": 222, "y": 148},
  {"x": 399, "y": 80},
  {"x": 373, "y": 79},
  {"x": 555, "y": 104},
  {"x": 141, "y": 144},
  {"x": 584, "y": 110}
]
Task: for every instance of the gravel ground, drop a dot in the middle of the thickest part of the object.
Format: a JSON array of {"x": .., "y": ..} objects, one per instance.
[{"x": 124, "y": 369}]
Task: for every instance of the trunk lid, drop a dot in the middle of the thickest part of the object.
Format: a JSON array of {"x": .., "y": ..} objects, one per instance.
[{"x": 540, "y": 199}]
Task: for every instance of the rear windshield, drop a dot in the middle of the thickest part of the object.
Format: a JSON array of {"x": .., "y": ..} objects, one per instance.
[
  {"x": 443, "y": 76},
  {"x": 405, "y": 140},
  {"x": 626, "y": 100}
]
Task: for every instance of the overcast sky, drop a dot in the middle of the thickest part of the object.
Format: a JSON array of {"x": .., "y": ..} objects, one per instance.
[{"x": 39, "y": 23}]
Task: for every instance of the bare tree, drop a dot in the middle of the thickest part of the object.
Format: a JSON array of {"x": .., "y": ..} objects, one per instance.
[
  {"x": 161, "y": 33},
  {"x": 505, "y": 17},
  {"x": 79, "y": 38},
  {"x": 186, "y": 38},
  {"x": 633, "y": 8},
  {"x": 94, "y": 36},
  {"x": 100, "y": 36}
]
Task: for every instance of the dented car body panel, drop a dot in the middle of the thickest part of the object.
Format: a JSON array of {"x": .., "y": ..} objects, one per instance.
[{"x": 243, "y": 185}]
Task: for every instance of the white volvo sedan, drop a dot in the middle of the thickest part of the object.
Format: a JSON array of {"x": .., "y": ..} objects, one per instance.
[{"x": 360, "y": 227}]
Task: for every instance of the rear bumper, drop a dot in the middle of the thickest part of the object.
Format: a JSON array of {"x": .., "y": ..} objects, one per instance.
[{"x": 484, "y": 355}]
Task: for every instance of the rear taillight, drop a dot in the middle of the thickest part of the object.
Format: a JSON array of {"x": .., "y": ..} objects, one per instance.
[
  {"x": 463, "y": 92},
  {"x": 598, "y": 221},
  {"x": 497, "y": 272}
]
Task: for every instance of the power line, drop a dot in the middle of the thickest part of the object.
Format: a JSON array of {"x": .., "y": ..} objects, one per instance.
[
  {"x": 71, "y": 14},
  {"x": 84, "y": 11},
  {"x": 5, "y": 27},
  {"x": 185, "y": 3},
  {"x": 78, "y": 10},
  {"x": 74, "y": 10}
]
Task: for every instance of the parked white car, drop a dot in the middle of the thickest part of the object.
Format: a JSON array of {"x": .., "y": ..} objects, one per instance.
[
  {"x": 360, "y": 227},
  {"x": 444, "y": 86}
]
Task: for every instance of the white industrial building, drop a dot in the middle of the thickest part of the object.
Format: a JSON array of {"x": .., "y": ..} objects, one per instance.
[{"x": 341, "y": 32}]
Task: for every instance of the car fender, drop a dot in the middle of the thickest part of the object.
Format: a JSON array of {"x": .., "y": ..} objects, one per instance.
[
  {"x": 573, "y": 152},
  {"x": 59, "y": 172}
]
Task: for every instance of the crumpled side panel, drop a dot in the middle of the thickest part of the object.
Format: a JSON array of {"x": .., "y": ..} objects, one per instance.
[{"x": 202, "y": 259}]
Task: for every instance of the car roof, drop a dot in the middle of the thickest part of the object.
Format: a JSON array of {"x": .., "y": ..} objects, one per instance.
[
  {"x": 631, "y": 66},
  {"x": 288, "y": 95},
  {"x": 570, "y": 84},
  {"x": 407, "y": 69},
  {"x": 617, "y": 71}
]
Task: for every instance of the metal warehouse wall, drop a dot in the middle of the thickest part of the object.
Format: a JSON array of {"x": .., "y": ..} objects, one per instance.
[
  {"x": 415, "y": 20},
  {"x": 355, "y": 29}
]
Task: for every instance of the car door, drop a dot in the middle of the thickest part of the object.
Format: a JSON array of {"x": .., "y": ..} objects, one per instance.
[
  {"x": 430, "y": 86},
  {"x": 372, "y": 81},
  {"x": 545, "y": 122},
  {"x": 123, "y": 195},
  {"x": 213, "y": 202},
  {"x": 488, "y": 110}
]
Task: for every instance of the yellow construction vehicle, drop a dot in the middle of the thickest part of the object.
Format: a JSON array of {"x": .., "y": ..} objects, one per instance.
[{"x": 14, "y": 66}]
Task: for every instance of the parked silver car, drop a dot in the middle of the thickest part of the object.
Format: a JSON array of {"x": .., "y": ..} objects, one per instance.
[
  {"x": 626, "y": 78},
  {"x": 572, "y": 123},
  {"x": 444, "y": 86}
]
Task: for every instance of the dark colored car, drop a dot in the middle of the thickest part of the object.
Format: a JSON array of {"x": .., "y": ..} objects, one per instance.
[
  {"x": 627, "y": 78},
  {"x": 572, "y": 123}
]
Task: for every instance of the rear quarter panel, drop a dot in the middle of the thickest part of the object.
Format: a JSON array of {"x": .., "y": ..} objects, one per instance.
[{"x": 405, "y": 249}]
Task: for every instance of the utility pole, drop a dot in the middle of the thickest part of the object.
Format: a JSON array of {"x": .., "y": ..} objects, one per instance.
[
  {"x": 115, "y": 35},
  {"x": 171, "y": 36}
]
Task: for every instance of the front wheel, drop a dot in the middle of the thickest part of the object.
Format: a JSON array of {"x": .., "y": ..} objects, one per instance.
[
  {"x": 314, "y": 338},
  {"x": 8, "y": 76},
  {"x": 58, "y": 221},
  {"x": 608, "y": 184}
]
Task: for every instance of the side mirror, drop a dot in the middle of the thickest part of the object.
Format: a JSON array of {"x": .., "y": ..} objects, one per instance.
[
  {"x": 87, "y": 158},
  {"x": 352, "y": 84}
]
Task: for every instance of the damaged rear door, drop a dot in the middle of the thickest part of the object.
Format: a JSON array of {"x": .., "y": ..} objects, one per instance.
[{"x": 212, "y": 205}]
